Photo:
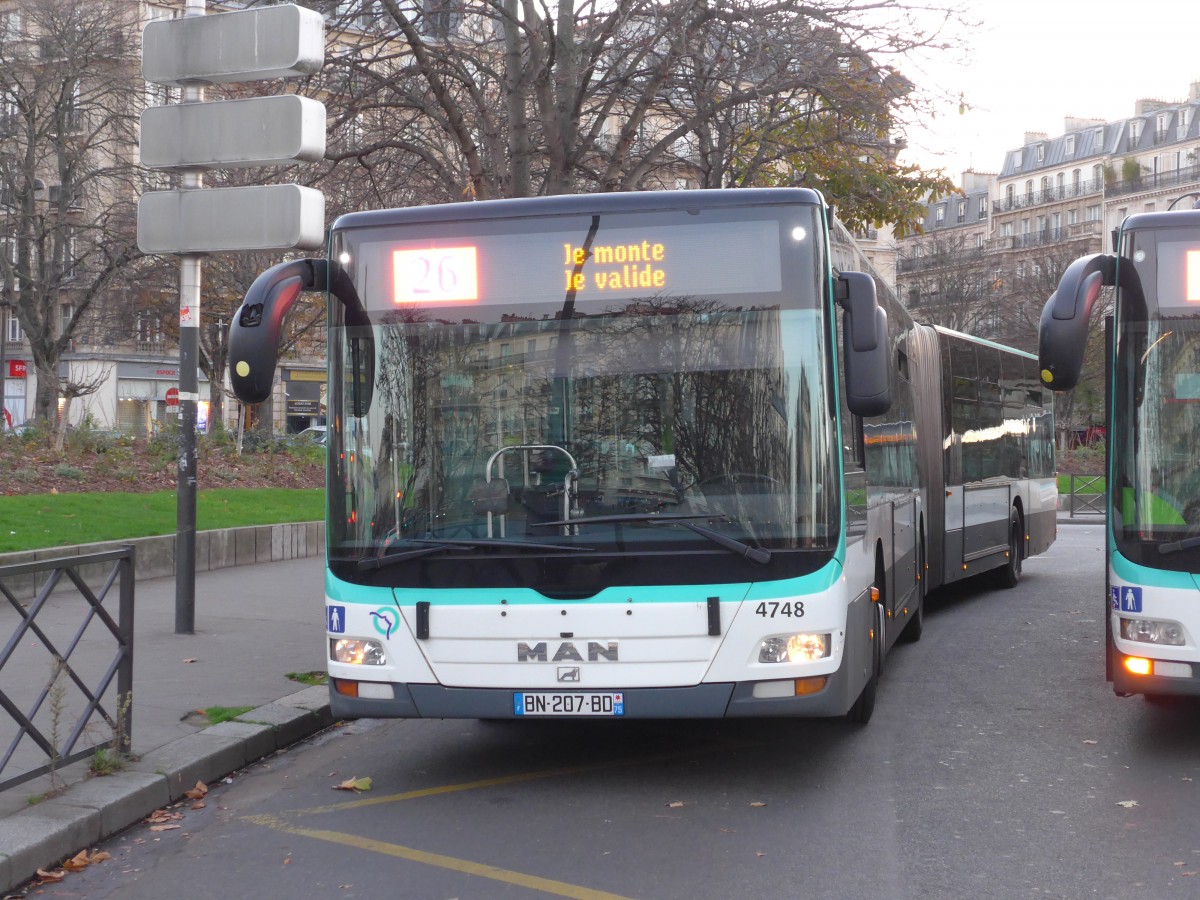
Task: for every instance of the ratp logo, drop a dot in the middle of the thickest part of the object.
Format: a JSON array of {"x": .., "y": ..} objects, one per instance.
[{"x": 384, "y": 620}]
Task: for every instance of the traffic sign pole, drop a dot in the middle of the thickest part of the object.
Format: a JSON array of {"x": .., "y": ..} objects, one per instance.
[
  {"x": 189, "y": 395},
  {"x": 276, "y": 41}
]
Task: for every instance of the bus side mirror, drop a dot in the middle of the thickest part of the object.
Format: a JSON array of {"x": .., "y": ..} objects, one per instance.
[
  {"x": 1063, "y": 332},
  {"x": 865, "y": 346},
  {"x": 256, "y": 327}
]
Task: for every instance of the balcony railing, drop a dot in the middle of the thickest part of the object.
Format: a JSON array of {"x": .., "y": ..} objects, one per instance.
[
  {"x": 1078, "y": 231},
  {"x": 938, "y": 259},
  {"x": 1051, "y": 195},
  {"x": 1159, "y": 181}
]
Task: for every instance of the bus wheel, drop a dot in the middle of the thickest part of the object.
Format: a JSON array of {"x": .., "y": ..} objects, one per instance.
[
  {"x": 864, "y": 706},
  {"x": 916, "y": 625},
  {"x": 1010, "y": 574}
]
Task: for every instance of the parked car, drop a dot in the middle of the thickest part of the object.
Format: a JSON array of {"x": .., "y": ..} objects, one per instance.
[{"x": 315, "y": 433}]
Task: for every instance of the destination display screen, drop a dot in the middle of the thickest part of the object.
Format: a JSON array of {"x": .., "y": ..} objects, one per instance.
[
  {"x": 1179, "y": 274},
  {"x": 586, "y": 261}
]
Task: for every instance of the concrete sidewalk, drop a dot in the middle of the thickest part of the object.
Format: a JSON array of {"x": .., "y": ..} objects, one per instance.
[{"x": 254, "y": 625}]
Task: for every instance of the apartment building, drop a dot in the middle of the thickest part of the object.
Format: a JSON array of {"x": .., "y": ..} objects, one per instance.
[{"x": 1054, "y": 199}]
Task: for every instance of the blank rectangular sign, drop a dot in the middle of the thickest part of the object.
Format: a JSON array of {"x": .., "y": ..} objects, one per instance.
[
  {"x": 216, "y": 220},
  {"x": 249, "y": 45},
  {"x": 257, "y": 132}
]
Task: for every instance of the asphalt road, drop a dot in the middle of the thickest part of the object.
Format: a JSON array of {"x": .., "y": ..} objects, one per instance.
[{"x": 998, "y": 765}]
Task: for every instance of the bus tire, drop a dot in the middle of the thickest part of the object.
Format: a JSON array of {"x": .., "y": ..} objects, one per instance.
[
  {"x": 864, "y": 706},
  {"x": 916, "y": 624},
  {"x": 1009, "y": 576}
]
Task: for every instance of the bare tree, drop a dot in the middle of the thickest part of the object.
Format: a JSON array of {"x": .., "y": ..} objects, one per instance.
[
  {"x": 68, "y": 81},
  {"x": 80, "y": 384},
  {"x": 505, "y": 98}
]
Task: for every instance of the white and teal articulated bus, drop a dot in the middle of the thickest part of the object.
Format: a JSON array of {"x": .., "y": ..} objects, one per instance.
[
  {"x": 665, "y": 454},
  {"x": 1152, "y": 367}
]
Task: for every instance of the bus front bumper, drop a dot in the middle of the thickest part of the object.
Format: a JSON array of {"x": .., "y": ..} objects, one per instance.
[
  {"x": 702, "y": 701},
  {"x": 1178, "y": 683}
]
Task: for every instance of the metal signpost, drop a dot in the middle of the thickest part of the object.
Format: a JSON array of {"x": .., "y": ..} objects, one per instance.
[{"x": 191, "y": 52}]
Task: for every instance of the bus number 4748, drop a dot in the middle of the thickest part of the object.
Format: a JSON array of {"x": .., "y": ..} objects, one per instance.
[{"x": 770, "y": 609}]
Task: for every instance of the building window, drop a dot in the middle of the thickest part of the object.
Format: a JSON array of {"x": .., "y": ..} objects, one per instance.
[
  {"x": 1135, "y": 131},
  {"x": 14, "y": 329},
  {"x": 65, "y": 311},
  {"x": 939, "y": 215},
  {"x": 1018, "y": 158},
  {"x": 983, "y": 210},
  {"x": 962, "y": 210},
  {"x": 1041, "y": 152},
  {"x": 1097, "y": 175},
  {"x": 1029, "y": 190},
  {"x": 1072, "y": 217},
  {"x": 979, "y": 240},
  {"x": 1093, "y": 213},
  {"x": 1006, "y": 230},
  {"x": 1069, "y": 145}
]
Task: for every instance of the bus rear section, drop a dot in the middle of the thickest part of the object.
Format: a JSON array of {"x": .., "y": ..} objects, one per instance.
[{"x": 1152, "y": 600}]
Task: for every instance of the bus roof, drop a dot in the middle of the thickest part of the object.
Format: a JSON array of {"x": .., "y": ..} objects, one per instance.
[{"x": 581, "y": 204}]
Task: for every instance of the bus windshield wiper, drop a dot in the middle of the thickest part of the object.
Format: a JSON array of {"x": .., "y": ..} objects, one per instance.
[
  {"x": 430, "y": 546},
  {"x": 758, "y": 555},
  {"x": 1169, "y": 547}
]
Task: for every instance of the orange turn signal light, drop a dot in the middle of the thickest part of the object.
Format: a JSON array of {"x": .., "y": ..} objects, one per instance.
[
  {"x": 1137, "y": 665},
  {"x": 345, "y": 687},
  {"x": 810, "y": 685}
]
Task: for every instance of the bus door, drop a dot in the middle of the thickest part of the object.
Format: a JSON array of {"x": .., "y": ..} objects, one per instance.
[
  {"x": 985, "y": 517},
  {"x": 904, "y": 556}
]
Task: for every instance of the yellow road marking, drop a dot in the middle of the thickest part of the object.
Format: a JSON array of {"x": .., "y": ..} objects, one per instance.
[
  {"x": 545, "y": 885},
  {"x": 518, "y": 778}
]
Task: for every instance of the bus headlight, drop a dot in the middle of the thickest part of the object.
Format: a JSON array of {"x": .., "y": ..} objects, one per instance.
[
  {"x": 1152, "y": 631},
  {"x": 357, "y": 652},
  {"x": 795, "y": 648}
]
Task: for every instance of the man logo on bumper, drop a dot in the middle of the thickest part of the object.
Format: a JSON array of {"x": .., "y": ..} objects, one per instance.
[{"x": 566, "y": 652}]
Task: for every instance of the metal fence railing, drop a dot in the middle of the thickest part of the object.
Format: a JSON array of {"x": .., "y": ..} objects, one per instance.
[
  {"x": 1086, "y": 495},
  {"x": 85, "y": 648}
]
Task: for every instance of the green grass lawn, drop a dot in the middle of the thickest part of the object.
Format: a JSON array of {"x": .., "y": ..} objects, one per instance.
[
  {"x": 1084, "y": 484},
  {"x": 34, "y": 521}
]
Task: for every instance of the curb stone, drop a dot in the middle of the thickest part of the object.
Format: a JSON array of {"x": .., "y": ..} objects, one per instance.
[{"x": 90, "y": 811}]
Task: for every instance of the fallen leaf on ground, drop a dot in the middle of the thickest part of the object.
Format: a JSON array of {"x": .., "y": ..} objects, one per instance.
[
  {"x": 757, "y": 803},
  {"x": 1091, "y": 742},
  {"x": 1128, "y": 804},
  {"x": 77, "y": 862},
  {"x": 164, "y": 827},
  {"x": 199, "y": 804},
  {"x": 357, "y": 785},
  {"x": 51, "y": 877},
  {"x": 190, "y": 659},
  {"x": 199, "y": 792}
]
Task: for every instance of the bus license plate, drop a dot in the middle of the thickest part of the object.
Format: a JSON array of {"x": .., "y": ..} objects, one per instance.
[{"x": 569, "y": 703}]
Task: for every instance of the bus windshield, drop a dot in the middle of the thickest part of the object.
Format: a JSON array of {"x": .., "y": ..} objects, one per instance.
[
  {"x": 1157, "y": 415},
  {"x": 639, "y": 383}
]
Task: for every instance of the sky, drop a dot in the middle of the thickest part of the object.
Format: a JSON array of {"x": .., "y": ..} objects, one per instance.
[{"x": 1032, "y": 63}]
